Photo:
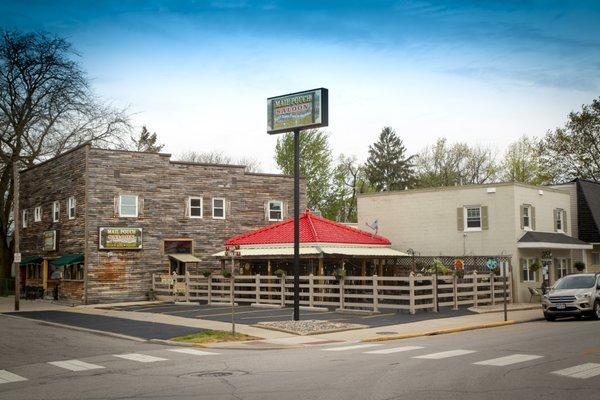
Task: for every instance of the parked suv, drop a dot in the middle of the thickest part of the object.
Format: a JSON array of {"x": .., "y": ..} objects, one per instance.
[{"x": 573, "y": 295}]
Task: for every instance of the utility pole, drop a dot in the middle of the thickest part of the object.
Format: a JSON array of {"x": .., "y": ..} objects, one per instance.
[
  {"x": 296, "y": 224},
  {"x": 17, "y": 261}
]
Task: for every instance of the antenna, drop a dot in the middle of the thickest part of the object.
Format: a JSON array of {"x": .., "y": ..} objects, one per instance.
[{"x": 374, "y": 225}]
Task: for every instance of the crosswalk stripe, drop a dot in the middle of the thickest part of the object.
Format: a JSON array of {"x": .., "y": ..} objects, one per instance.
[
  {"x": 140, "y": 357},
  {"x": 353, "y": 347},
  {"x": 8, "y": 377},
  {"x": 582, "y": 371},
  {"x": 75, "y": 365},
  {"x": 508, "y": 360},
  {"x": 194, "y": 352},
  {"x": 394, "y": 350},
  {"x": 445, "y": 354}
]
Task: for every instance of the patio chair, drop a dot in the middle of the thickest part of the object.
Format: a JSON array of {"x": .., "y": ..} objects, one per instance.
[{"x": 534, "y": 292}]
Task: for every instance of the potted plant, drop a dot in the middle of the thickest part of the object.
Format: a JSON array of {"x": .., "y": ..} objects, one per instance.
[
  {"x": 438, "y": 267},
  {"x": 535, "y": 266},
  {"x": 579, "y": 266},
  {"x": 459, "y": 273},
  {"x": 226, "y": 274},
  {"x": 339, "y": 274},
  {"x": 279, "y": 273},
  {"x": 206, "y": 273}
]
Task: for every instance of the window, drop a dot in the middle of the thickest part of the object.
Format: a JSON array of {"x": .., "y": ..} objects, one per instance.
[
  {"x": 73, "y": 272},
  {"x": 24, "y": 218},
  {"x": 595, "y": 258},
  {"x": 528, "y": 273},
  {"x": 128, "y": 205},
  {"x": 71, "y": 207},
  {"x": 195, "y": 207},
  {"x": 560, "y": 223},
  {"x": 178, "y": 246},
  {"x": 275, "y": 210},
  {"x": 218, "y": 208},
  {"x": 527, "y": 218},
  {"x": 562, "y": 266},
  {"x": 37, "y": 214},
  {"x": 55, "y": 211},
  {"x": 473, "y": 218}
]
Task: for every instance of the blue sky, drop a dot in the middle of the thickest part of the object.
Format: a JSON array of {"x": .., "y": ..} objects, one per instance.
[{"x": 198, "y": 72}]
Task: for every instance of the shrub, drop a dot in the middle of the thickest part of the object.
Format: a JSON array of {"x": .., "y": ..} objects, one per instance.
[
  {"x": 226, "y": 274},
  {"x": 460, "y": 273},
  {"x": 206, "y": 273},
  {"x": 279, "y": 273},
  {"x": 438, "y": 267},
  {"x": 579, "y": 265}
]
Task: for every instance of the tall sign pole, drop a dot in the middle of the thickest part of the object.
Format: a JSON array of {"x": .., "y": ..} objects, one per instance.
[
  {"x": 292, "y": 113},
  {"x": 16, "y": 220}
]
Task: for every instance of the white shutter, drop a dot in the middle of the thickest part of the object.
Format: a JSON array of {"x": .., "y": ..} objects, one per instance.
[{"x": 116, "y": 207}]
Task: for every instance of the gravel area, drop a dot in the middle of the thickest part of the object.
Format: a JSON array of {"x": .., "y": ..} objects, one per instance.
[{"x": 309, "y": 326}]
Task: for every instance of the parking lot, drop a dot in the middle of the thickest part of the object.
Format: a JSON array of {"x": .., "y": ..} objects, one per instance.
[{"x": 251, "y": 315}]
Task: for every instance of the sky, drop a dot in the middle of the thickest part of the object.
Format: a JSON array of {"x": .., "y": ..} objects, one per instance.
[{"x": 198, "y": 72}]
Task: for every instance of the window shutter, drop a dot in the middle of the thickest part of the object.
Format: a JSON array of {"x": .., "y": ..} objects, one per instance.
[
  {"x": 266, "y": 206},
  {"x": 522, "y": 216},
  {"x": 115, "y": 210},
  {"x": 555, "y": 220},
  {"x": 227, "y": 208},
  {"x": 460, "y": 218},
  {"x": 522, "y": 264},
  {"x": 186, "y": 208},
  {"x": 564, "y": 221},
  {"x": 285, "y": 210},
  {"x": 533, "y": 218},
  {"x": 484, "y": 218},
  {"x": 140, "y": 206}
]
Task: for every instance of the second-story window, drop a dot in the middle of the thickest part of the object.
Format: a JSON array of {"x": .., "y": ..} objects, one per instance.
[
  {"x": 527, "y": 217},
  {"x": 37, "y": 214},
  {"x": 473, "y": 218},
  {"x": 24, "y": 218},
  {"x": 128, "y": 205},
  {"x": 56, "y": 211},
  {"x": 275, "y": 210},
  {"x": 195, "y": 207},
  {"x": 218, "y": 208},
  {"x": 71, "y": 207},
  {"x": 559, "y": 220}
]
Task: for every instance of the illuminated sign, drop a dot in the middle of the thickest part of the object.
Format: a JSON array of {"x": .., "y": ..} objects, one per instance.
[{"x": 302, "y": 110}]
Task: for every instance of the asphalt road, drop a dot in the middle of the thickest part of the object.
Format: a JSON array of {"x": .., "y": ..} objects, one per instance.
[
  {"x": 538, "y": 360},
  {"x": 252, "y": 315}
]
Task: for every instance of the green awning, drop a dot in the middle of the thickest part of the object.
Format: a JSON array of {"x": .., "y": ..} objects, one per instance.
[
  {"x": 32, "y": 260},
  {"x": 67, "y": 259}
]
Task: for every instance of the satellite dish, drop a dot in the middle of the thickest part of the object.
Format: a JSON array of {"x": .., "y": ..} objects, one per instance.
[{"x": 374, "y": 225}]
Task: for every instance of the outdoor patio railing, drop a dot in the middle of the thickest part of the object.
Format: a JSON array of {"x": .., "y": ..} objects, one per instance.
[{"x": 370, "y": 293}]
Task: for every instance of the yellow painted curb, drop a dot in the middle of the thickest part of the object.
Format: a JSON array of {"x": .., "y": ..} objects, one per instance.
[{"x": 440, "y": 331}]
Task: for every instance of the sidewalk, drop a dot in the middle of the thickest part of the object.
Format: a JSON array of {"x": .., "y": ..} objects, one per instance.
[{"x": 7, "y": 304}]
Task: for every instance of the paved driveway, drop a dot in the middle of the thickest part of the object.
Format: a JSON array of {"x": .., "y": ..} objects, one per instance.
[{"x": 252, "y": 315}]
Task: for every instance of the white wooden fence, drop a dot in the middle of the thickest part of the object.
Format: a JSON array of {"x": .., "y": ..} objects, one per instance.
[{"x": 371, "y": 293}]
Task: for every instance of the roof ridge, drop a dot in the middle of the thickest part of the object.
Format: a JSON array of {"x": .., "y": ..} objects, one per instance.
[
  {"x": 350, "y": 228},
  {"x": 311, "y": 225}
]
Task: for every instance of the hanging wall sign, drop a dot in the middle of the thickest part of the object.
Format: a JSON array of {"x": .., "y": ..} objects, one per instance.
[
  {"x": 120, "y": 238},
  {"x": 49, "y": 240},
  {"x": 301, "y": 110}
]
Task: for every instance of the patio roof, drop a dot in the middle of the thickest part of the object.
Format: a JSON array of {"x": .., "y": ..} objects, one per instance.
[{"x": 551, "y": 240}]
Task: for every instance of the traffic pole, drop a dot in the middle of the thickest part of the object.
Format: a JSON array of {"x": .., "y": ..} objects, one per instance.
[{"x": 296, "y": 225}]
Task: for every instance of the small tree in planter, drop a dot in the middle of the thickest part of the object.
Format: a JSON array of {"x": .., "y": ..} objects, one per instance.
[
  {"x": 535, "y": 267},
  {"x": 339, "y": 274},
  {"x": 279, "y": 273},
  {"x": 206, "y": 273},
  {"x": 579, "y": 266},
  {"x": 226, "y": 274},
  {"x": 438, "y": 267}
]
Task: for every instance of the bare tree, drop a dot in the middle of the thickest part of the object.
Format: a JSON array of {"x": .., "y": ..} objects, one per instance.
[
  {"x": 218, "y": 157},
  {"x": 46, "y": 107}
]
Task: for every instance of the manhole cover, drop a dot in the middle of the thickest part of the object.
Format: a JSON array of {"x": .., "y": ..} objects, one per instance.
[
  {"x": 386, "y": 333},
  {"x": 214, "y": 374}
]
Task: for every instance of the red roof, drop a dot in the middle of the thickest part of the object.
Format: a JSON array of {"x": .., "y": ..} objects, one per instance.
[{"x": 313, "y": 229}]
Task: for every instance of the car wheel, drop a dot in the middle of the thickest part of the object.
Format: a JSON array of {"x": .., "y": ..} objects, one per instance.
[
  {"x": 549, "y": 317},
  {"x": 596, "y": 312}
]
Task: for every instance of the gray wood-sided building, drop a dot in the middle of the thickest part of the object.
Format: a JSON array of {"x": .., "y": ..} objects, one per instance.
[{"x": 98, "y": 223}]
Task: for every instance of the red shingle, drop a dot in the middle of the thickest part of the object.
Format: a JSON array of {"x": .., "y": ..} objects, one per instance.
[{"x": 313, "y": 229}]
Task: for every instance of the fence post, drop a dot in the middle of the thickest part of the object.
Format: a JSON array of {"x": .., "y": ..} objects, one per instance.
[
  {"x": 311, "y": 281},
  {"x": 434, "y": 279},
  {"x": 187, "y": 286},
  {"x": 341, "y": 294},
  {"x": 492, "y": 288},
  {"x": 455, "y": 292},
  {"x": 282, "y": 281},
  {"x": 209, "y": 290},
  {"x": 257, "y": 283},
  {"x": 375, "y": 294},
  {"x": 411, "y": 294},
  {"x": 475, "y": 288},
  {"x": 232, "y": 289}
]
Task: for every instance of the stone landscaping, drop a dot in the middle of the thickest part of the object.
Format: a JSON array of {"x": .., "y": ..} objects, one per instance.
[{"x": 309, "y": 327}]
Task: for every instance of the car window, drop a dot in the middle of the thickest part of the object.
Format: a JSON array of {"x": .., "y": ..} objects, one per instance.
[{"x": 575, "y": 282}]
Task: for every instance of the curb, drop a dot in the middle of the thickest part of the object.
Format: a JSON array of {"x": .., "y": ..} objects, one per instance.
[{"x": 446, "y": 331}]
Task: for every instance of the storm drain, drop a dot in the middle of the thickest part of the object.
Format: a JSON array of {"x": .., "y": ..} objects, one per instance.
[{"x": 214, "y": 374}]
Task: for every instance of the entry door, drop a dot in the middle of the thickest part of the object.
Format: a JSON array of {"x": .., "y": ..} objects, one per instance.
[{"x": 178, "y": 267}]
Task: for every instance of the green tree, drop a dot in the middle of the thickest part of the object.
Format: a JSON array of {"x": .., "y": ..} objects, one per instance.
[
  {"x": 573, "y": 151},
  {"x": 388, "y": 167},
  {"x": 147, "y": 142},
  {"x": 522, "y": 162},
  {"x": 315, "y": 163}
]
